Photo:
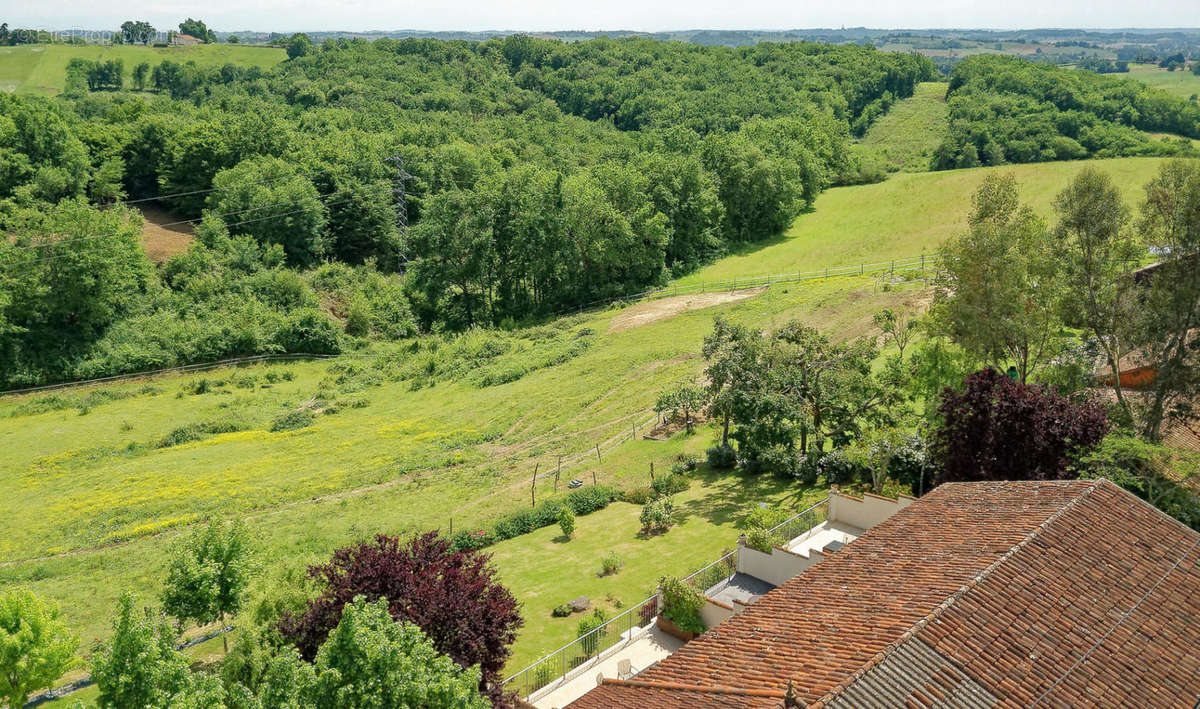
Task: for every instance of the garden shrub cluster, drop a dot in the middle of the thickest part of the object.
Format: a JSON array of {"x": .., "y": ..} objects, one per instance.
[
  {"x": 657, "y": 516},
  {"x": 681, "y": 604},
  {"x": 583, "y": 501}
]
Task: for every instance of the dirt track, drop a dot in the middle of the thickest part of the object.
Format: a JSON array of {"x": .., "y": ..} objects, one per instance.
[{"x": 663, "y": 308}]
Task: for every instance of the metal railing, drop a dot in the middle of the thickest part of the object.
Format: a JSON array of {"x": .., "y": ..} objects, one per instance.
[
  {"x": 802, "y": 522},
  {"x": 561, "y": 664},
  {"x": 712, "y": 574}
]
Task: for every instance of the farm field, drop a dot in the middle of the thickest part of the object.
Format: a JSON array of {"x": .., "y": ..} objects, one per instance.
[
  {"x": 92, "y": 490},
  {"x": 42, "y": 68},
  {"x": 905, "y": 137},
  {"x": 903, "y": 217},
  {"x": 1181, "y": 82}
]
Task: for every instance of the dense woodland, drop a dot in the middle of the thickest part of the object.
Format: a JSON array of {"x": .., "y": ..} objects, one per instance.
[
  {"x": 1006, "y": 110},
  {"x": 538, "y": 176},
  {"x": 376, "y": 189}
]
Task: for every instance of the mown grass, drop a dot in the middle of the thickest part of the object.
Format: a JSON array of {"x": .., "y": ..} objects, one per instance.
[
  {"x": 408, "y": 459},
  {"x": 905, "y": 137},
  {"x": 1181, "y": 82},
  {"x": 42, "y": 68},
  {"x": 904, "y": 216}
]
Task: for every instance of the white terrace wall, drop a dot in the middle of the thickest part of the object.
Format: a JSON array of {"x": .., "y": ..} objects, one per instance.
[
  {"x": 775, "y": 568},
  {"x": 865, "y": 512},
  {"x": 715, "y": 612}
]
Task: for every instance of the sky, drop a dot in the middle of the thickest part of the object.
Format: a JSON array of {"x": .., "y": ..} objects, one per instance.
[{"x": 645, "y": 15}]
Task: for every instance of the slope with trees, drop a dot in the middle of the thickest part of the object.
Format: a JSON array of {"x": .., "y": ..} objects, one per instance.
[
  {"x": 1006, "y": 110},
  {"x": 544, "y": 176}
]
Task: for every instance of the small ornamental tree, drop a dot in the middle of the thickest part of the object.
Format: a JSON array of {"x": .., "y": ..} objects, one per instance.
[
  {"x": 566, "y": 521},
  {"x": 35, "y": 646},
  {"x": 455, "y": 597},
  {"x": 1000, "y": 429},
  {"x": 370, "y": 660},
  {"x": 207, "y": 575},
  {"x": 139, "y": 666}
]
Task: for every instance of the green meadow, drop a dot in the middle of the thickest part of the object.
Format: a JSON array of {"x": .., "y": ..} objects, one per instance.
[
  {"x": 42, "y": 68},
  {"x": 1181, "y": 82},
  {"x": 906, "y": 215},
  {"x": 94, "y": 502},
  {"x": 905, "y": 137}
]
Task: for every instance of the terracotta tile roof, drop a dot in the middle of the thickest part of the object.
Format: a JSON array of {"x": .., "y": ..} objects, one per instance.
[{"x": 980, "y": 594}]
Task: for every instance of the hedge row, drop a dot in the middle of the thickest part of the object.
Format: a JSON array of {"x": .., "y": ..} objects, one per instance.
[{"x": 582, "y": 501}]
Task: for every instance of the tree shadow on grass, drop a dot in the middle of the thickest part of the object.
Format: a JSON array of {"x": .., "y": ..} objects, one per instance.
[{"x": 731, "y": 495}]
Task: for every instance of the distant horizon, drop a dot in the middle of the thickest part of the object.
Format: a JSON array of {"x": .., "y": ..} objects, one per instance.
[
  {"x": 518, "y": 30},
  {"x": 544, "y": 16}
]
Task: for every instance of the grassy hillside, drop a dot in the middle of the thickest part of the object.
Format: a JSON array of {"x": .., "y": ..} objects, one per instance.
[
  {"x": 42, "y": 68},
  {"x": 906, "y": 136},
  {"x": 1181, "y": 83},
  {"x": 82, "y": 480},
  {"x": 904, "y": 216},
  {"x": 94, "y": 497}
]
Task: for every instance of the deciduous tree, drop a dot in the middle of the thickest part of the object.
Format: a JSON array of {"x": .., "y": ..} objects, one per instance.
[
  {"x": 454, "y": 597},
  {"x": 999, "y": 429},
  {"x": 35, "y": 646},
  {"x": 997, "y": 292},
  {"x": 207, "y": 575}
]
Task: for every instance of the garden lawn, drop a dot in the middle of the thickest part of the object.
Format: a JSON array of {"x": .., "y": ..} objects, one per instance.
[
  {"x": 905, "y": 137},
  {"x": 905, "y": 216},
  {"x": 544, "y": 570},
  {"x": 42, "y": 68}
]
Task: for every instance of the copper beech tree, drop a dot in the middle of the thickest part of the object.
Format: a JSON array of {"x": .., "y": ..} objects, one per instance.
[
  {"x": 1000, "y": 429},
  {"x": 455, "y": 597}
]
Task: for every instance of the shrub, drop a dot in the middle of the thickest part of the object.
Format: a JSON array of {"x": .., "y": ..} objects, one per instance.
[
  {"x": 561, "y": 611},
  {"x": 765, "y": 517},
  {"x": 291, "y": 420},
  {"x": 722, "y": 456},
  {"x": 762, "y": 540},
  {"x": 778, "y": 459},
  {"x": 912, "y": 466},
  {"x": 566, "y": 521},
  {"x": 472, "y": 539},
  {"x": 586, "y": 500},
  {"x": 838, "y": 467},
  {"x": 685, "y": 463},
  {"x": 591, "y": 640},
  {"x": 658, "y": 516},
  {"x": 198, "y": 431},
  {"x": 639, "y": 495},
  {"x": 681, "y": 604},
  {"x": 582, "y": 501},
  {"x": 665, "y": 485},
  {"x": 610, "y": 564}
]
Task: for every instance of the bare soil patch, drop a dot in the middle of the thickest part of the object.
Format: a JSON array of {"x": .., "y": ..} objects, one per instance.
[
  {"x": 162, "y": 242},
  {"x": 655, "y": 310}
]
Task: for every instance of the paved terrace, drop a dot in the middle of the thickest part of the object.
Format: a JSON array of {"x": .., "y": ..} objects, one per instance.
[{"x": 645, "y": 647}]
